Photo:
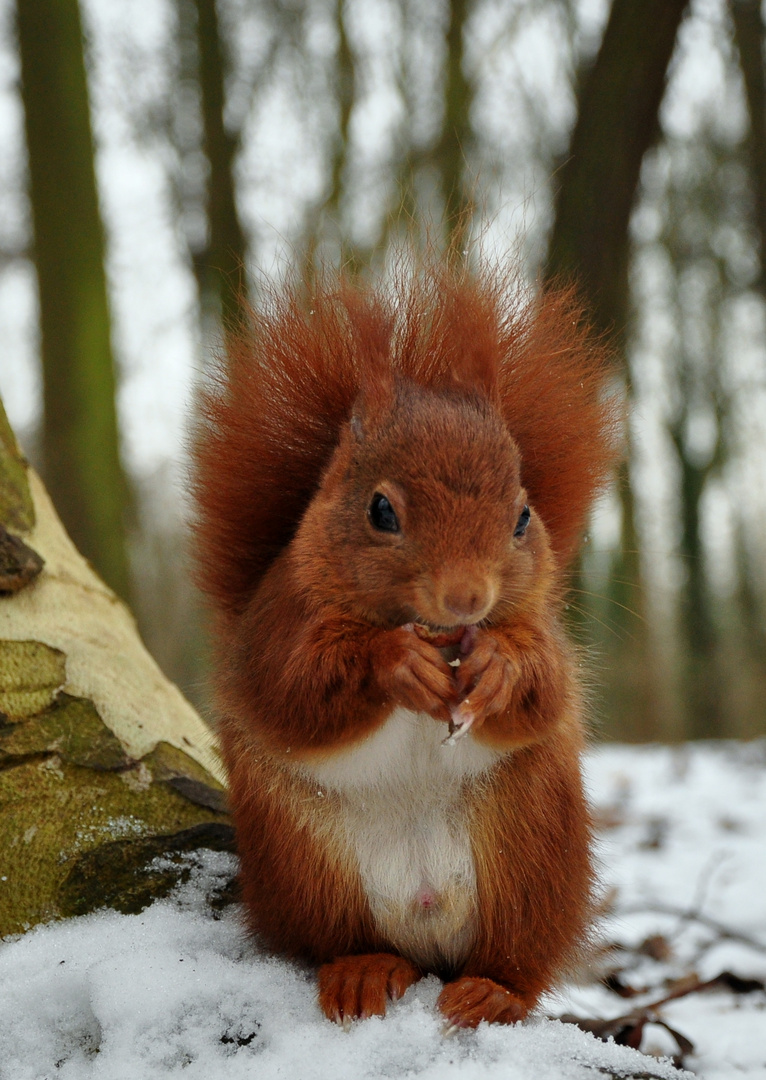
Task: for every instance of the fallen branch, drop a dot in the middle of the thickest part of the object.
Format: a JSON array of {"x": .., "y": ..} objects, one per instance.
[{"x": 628, "y": 1030}]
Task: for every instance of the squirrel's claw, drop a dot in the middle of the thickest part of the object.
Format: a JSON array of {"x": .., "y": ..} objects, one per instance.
[
  {"x": 461, "y": 722},
  {"x": 488, "y": 674}
]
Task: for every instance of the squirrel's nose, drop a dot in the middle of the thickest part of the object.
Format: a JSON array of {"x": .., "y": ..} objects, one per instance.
[{"x": 467, "y": 599}]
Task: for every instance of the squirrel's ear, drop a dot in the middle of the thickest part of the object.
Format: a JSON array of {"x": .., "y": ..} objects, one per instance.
[
  {"x": 375, "y": 398},
  {"x": 476, "y": 369}
]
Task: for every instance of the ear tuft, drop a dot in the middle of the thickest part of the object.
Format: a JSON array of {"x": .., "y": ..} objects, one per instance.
[
  {"x": 477, "y": 370},
  {"x": 376, "y": 397},
  {"x": 467, "y": 310}
]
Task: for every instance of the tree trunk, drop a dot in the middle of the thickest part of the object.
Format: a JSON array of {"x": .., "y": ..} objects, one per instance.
[
  {"x": 443, "y": 163},
  {"x": 80, "y": 439},
  {"x": 454, "y": 145},
  {"x": 617, "y": 121},
  {"x": 103, "y": 764},
  {"x": 222, "y": 264},
  {"x": 325, "y": 217},
  {"x": 749, "y": 36},
  {"x": 617, "y": 112},
  {"x": 704, "y": 708},
  {"x": 346, "y": 93}
]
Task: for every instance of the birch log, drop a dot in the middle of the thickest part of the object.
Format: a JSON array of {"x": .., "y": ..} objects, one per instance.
[{"x": 104, "y": 765}]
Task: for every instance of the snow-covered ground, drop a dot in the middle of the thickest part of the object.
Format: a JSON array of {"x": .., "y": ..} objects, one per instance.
[{"x": 176, "y": 992}]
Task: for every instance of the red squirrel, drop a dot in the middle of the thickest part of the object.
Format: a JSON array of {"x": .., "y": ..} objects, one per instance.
[{"x": 391, "y": 484}]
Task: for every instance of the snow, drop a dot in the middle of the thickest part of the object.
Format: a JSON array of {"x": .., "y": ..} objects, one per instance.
[
  {"x": 179, "y": 991},
  {"x": 686, "y": 854}
]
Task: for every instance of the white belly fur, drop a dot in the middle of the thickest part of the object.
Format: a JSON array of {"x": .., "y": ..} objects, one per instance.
[{"x": 405, "y": 823}]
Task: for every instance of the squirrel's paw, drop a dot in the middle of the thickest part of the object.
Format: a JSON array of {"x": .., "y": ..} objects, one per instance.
[
  {"x": 486, "y": 677},
  {"x": 356, "y": 987},
  {"x": 465, "y": 1002},
  {"x": 413, "y": 672}
]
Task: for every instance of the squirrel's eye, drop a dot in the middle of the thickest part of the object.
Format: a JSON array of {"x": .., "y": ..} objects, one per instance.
[
  {"x": 521, "y": 524},
  {"x": 381, "y": 514}
]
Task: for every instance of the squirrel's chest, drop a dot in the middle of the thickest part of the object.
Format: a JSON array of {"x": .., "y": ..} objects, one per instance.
[{"x": 405, "y": 823}]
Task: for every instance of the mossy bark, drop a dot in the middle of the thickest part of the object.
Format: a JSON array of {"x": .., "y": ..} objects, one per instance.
[{"x": 103, "y": 764}]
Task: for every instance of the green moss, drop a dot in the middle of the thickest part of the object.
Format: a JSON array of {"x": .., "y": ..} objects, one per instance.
[
  {"x": 17, "y": 510},
  {"x": 71, "y": 728},
  {"x": 56, "y": 816},
  {"x": 183, "y": 774},
  {"x": 30, "y": 676},
  {"x": 80, "y": 822},
  {"x": 123, "y": 874}
]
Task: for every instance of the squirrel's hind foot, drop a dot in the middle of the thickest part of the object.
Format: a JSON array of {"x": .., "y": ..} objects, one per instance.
[
  {"x": 465, "y": 1002},
  {"x": 356, "y": 987}
]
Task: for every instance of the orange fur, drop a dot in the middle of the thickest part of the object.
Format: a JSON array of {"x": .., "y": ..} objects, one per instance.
[
  {"x": 272, "y": 423},
  {"x": 461, "y": 402}
]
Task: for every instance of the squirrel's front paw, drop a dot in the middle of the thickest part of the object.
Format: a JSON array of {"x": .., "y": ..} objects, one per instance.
[
  {"x": 484, "y": 681},
  {"x": 465, "y": 1002},
  {"x": 356, "y": 987},
  {"x": 413, "y": 673}
]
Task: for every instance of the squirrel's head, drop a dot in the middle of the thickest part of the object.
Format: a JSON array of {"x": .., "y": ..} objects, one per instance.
[{"x": 421, "y": 515}]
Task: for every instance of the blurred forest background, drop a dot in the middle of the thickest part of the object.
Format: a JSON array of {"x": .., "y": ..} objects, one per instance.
[{"x": 159, "y": 156}]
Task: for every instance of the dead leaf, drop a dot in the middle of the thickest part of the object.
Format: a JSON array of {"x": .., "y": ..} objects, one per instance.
[
  {"x": 657, "y": 947},
  {"x": 629, "y": 1031}
]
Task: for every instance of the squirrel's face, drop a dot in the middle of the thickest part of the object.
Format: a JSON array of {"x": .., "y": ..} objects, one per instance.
[{"x": 425, "y": 516}]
